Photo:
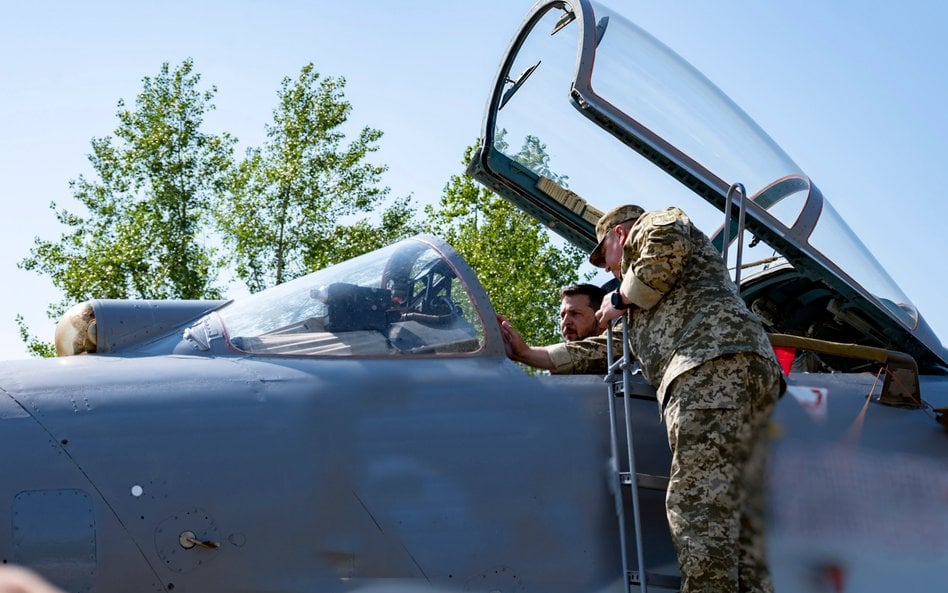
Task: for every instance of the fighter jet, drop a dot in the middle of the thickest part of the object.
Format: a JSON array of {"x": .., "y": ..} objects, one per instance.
[{"x": 361, "y": 429}]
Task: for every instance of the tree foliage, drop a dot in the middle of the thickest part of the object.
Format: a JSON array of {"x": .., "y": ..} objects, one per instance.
[
  {"x": 34, "y": 345},
  {"x": 291, "y": 195},
  {"x": 521, "y": 268},
  {"x": 146, "y": 208}
]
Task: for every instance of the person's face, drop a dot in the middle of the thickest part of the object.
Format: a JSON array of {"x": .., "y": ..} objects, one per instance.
[
  {"x": 612, "y": 251},
  {"x": 577, "y": 318}
]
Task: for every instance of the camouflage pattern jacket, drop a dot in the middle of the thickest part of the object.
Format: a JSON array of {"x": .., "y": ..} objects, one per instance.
[{"x": 686, "y": 310}]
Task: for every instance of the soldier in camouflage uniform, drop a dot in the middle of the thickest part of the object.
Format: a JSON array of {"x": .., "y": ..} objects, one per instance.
[{"x": 717, "y": 382}]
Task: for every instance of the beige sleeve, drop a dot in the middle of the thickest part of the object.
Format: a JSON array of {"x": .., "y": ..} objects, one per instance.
[
  {"x": 639, "y": 293},
  {"x": 562, "y": 360}
]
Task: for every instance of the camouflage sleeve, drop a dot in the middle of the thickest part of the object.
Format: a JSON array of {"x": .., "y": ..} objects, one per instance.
[
  {"x": 654, "y": 256},
  {"x": 586, "y": 356}
]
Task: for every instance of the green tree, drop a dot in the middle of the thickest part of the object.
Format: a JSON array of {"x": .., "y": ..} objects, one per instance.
[
  {"x": 514, "y": 256},
  {"x": 141, "y": 234},
  {"x": 533, "y": 155},
  {"x": 293, "y": 196},
  {"x": 34, "y": 345},
  {"x": 348, "y": 241}
]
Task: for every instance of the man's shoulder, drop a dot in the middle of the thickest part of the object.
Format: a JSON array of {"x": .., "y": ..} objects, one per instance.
[{"x": 668, "y": 216}]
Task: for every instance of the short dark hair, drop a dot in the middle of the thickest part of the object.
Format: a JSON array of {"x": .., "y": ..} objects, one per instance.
[{"x": 592, "y": 291}]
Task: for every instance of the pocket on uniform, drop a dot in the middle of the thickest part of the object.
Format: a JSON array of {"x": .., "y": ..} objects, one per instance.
[
  {"x": 718, "y": 403},
  {"x": 707, "y": 397},
  {"x": 715, "y": 385}
]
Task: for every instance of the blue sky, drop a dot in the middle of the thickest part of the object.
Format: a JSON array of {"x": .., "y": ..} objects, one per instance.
[{"x": 853, "y": 91}]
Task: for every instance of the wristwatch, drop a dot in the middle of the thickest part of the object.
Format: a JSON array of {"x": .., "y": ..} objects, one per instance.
[{"x": 617, "y": 301}]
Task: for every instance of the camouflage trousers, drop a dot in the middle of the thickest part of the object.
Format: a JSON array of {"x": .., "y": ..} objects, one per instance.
[{"x": 716, "y": 417}]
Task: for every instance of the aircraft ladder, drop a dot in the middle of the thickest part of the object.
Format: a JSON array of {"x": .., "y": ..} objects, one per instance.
[{"x": 619, "y": 379}]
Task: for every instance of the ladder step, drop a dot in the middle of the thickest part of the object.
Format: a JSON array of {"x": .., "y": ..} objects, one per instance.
[
  {"x": 646, "y": 481},
  {"x": 663, "y": 581},
  {"x": 637, "y": 390}
]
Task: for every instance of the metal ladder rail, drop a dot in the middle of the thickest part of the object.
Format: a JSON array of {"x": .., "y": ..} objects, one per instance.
[
  {"x": 624, "y": 364},
  {"x": 737, "y": 188}
]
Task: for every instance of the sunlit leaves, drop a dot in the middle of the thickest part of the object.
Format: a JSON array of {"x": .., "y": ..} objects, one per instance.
[
  {"x": 301, "y": 201},
  {"x": 34, "y": 345},
  {"x": 146, "y": 208}
]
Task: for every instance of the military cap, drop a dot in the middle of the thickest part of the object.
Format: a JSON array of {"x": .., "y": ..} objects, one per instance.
[{"x": 607, "y": 221}]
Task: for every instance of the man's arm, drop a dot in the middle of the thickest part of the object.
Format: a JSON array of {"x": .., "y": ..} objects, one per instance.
[
  {"x": 582, "y": 356},
  {"x": 607, "y": 312},
  {"x": 655, "y": 257},
  {"x": 518, "y": 350}
]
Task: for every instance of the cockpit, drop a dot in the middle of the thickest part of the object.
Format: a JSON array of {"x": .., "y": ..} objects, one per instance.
[{"x": 405, "y": 299}]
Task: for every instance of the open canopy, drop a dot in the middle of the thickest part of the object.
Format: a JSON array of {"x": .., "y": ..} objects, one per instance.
[{"x": 657, "y": 133}]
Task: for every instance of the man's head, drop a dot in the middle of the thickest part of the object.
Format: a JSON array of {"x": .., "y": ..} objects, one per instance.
[
  {"x": 578, "y": 311},
  {"x": 611, "y": 231}
]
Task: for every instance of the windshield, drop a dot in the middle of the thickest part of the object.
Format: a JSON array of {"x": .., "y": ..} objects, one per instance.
[{"x": 405, "y": 299}]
